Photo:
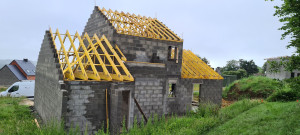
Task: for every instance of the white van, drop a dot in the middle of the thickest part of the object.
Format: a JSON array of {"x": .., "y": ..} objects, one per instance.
[{"x": 18, "y": 89}]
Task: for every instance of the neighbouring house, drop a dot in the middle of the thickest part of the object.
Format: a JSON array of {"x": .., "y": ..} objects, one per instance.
[
  {"x": 282, "y": 73},
  {"x": 17, "y": 70},
  {"x": 122, "y": 67}
]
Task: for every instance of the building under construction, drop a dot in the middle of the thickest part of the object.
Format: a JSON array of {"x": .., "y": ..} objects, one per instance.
[{"x": 121, "y": 67}]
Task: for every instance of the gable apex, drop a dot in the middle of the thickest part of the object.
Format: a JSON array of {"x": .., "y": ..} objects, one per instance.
[{"x": 137, "y": 25}]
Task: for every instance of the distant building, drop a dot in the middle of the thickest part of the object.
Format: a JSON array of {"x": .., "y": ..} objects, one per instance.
[
  {"x": 282, "y": 74},
  {"x": 17, "y": 70}
]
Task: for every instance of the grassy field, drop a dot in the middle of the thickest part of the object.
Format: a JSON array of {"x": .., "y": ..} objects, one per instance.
[
  {"x": 17, "y": 119},
  {"x": 2, "y": 89},
  {"x": 201, "y": 122},
  {"x": 242, "y": 117},
  {"x": 269, "y": 118}
]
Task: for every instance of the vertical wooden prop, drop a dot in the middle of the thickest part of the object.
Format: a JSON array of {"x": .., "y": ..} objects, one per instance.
[{"x": 106, "y": 110}]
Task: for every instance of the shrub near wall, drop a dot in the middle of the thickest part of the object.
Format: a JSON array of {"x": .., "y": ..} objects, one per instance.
[
  {"x": 240, "y": 73},
  {"x": 290, "y": 91}
]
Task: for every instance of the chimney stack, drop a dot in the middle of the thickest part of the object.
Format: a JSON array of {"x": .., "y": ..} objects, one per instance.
[{"x": 26, "y": 60}]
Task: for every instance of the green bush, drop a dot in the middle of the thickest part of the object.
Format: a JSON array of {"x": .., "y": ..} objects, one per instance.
[
  {"x": 240, "y": 73},
  {"x": 284, "y": 96},
  {"x": 2, "y": 89},
  {"x": 251, "y": 87},
  {"x": 290, "y": 92}
]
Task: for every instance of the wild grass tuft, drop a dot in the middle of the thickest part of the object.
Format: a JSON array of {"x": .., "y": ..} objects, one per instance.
[{"x": 207, "y": 117}]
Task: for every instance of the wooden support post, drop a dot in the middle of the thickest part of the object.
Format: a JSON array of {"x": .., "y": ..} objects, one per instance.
[
  {"x": 106, "y": 110},
  {"x": 140, "y": 109}
]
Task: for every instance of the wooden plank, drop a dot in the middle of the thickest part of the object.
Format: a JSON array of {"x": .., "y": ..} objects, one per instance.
[{"x": 140, "y": 109}]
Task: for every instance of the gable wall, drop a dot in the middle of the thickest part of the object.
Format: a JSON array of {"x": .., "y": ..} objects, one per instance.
[
  {"x": 7, "y": 77},
  {"x": 48, "y": 94}
]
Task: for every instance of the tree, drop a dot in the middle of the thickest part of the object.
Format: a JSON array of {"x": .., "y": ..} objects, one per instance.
[
  {"x": 264, "y": 68},
  {"x": 231, "y": 65},
  {"x": 240, "y": 73},
  {"x": 205, "y": 60},
  {"x": 289, "y": 14},
  {"x": 249, "y": 66}
]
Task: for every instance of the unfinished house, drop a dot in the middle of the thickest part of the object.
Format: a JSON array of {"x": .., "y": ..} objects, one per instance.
[
  {"x": 121, "y": 67},
  {"x": 282, "y": 73}
]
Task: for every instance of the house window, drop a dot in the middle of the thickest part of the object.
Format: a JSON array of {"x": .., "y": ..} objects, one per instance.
[
  {"x": 172, "y": 90},
  {"x": 292, "y": 75},
  {"x": 173, "y": 54},
  {"x": 298, "y": 74}
]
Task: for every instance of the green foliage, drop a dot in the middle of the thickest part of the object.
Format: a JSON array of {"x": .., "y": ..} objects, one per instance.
[
  {"x": 203, "y": 59},
  {"x": 240, "y": 73},
  {"x": 17, "y": 119},
  {"x": 196, "y": 95},
  {"x": 264, "y": 68},
  {"x": 249, "y": 66},
  {"x": 241, "y": 68},
  {"x": 2, "y": 89},
  {"x": 267, "y": 118},
  {"x": 207, "y": 110},
  {"x": 289, "y": 15},
  {"x": 290, "y": 92},
  {"x": 251, "y": 87},
  {"x": 206, "y": 118},
  {"x": 231, "y": 65},
  {"x": 284, "y": 95}
]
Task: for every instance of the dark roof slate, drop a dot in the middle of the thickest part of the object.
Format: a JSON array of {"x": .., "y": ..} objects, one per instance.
[
  {"x": 17, "y": 72},
  {"x": 27, "y": 67}
]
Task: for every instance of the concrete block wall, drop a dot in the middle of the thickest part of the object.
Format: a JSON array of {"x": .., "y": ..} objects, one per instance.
[
  {"x": 135, "y": 48},
  {"x": 86, "y": 105},
  {"x": 117, "y": 104},
  {"x": 150, "y": 88},
  {"x": 48, "y": 96},
  {"x": 282, "y": 74},
  {"x": 7, "y": 77},
  {"x": 98, "y": 24},
  {"x": 210, "y": 90}
]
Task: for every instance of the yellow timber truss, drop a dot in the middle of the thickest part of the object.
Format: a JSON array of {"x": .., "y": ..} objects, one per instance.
[
  {"x": 193, "y": 67},
  {"x": 89, "y": 58},
  {"x": 141, "y": 26}
]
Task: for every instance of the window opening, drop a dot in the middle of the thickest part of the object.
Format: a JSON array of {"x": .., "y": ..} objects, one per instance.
[
  {"x": 14, "y": 88},
  {"x": 196, "y": 91},
  {"x": 292, "y": 75},
  {"x": 298, "y": 74},
  {"x": 172, "y": 90},
  {"x": 173, "y": 53}
]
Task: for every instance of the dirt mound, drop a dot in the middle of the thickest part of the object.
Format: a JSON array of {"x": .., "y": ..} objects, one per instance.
[
  {"x": 226, "y": 103},
  {"x": 235, "y": 93}
]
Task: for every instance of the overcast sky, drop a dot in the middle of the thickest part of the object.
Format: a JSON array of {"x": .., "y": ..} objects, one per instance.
[{"x": 216, "y": 29}]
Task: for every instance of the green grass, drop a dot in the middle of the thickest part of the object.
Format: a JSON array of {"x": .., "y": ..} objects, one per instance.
[
  {"x": 242, "y": 117},
  {"x": 268, "y": 118},
  {"x": 207, "y": 117},
  {"x": 251, "y": 87},
  {"x": 17, "y": 119},
  {"x": 2, "y": 89}
]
